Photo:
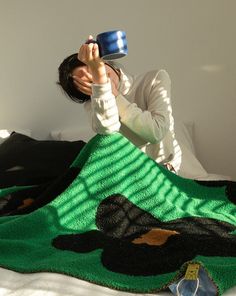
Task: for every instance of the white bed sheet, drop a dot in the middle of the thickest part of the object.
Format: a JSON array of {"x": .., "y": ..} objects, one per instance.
[{"x": 52, "y": 284}]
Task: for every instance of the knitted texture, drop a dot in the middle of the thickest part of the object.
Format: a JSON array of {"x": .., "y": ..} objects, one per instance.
[{"x": 125, "y": 222}]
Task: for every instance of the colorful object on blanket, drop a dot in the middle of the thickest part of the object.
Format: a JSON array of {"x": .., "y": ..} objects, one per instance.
[
  {"x": 118, "y": 219},
  {"x": 196, "y": 282}
]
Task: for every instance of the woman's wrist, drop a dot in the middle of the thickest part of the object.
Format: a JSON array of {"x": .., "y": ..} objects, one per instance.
[
  {"x": 99, "y": 77},
  {"x": 99, "y": 73}
]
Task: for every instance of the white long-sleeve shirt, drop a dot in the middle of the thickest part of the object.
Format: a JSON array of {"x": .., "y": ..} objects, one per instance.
[{"x": 142, "y": 112}]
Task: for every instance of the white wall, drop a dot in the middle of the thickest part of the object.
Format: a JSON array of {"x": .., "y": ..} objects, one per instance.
[{"x": 194, "y": 40}]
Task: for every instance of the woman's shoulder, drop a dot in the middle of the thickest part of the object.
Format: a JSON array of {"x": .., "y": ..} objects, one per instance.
[{"x": 156, "y": 76}]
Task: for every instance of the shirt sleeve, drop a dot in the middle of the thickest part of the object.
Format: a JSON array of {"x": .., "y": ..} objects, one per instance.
[
  {"x": 104, "y": 111},
  {"x": 153, "y": 123}
]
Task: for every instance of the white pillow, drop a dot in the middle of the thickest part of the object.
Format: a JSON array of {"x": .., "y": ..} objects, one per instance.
[
  {"x": 73, "y": 134},
  {"x": 185, "y": 133},
  {"x": 5, "y": 133},
  {"x": 215, "y": 177},
  {"x": 190, "y": 166}
]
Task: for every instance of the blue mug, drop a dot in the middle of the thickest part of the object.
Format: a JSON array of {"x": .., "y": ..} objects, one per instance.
[{"x": 112, "y": 44}]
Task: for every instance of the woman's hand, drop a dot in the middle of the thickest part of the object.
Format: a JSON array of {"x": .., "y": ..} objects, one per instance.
[
  {"x": 89, "y": 55},
  {"x": 83, "y": 81}
]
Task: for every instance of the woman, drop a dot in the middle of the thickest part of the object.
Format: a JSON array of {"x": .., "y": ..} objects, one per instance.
[{"x": 138, "y": 107}]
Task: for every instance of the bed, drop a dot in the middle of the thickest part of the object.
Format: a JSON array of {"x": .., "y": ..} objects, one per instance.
[{"x": 54, "y": 284}]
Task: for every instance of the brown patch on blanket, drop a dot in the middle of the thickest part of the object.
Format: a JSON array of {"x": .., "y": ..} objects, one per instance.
[
  {"x": 155, "y": 237},
  {"x": 26, "y": 202}
]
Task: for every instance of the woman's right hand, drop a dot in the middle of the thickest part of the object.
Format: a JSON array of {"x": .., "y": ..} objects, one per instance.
[{"x": 89, "y": 55}]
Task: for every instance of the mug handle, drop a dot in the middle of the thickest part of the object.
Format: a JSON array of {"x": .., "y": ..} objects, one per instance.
[
  {"x": 93, "y": 41},
  {"x": 90, "y": 41}
]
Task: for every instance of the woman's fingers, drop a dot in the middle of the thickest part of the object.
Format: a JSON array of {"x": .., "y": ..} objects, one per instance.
[
  {"x": 89, "y": 76},
  {"x": 95, "y": 51},
  {"x": 84, "y": 74},
  {"x": 82, "y": 85},
  {"x": 85, "y": 54},
  {"x": 83, "y": 82},
  {"x": 83, "y": 89},
  {"x": 89, "y": 52},
  {"x": 82, "y": 53},
  {"x": 86, "y": 50}
]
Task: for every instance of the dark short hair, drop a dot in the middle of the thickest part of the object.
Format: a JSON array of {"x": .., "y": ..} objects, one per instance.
[{"x": 66, "y": 81}]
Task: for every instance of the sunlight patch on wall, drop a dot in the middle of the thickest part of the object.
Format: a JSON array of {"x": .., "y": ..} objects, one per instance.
[{"x": 212, "y": 68}]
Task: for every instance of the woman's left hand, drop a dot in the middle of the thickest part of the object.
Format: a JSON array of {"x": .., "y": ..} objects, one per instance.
[{"x": 83, "y": 81}]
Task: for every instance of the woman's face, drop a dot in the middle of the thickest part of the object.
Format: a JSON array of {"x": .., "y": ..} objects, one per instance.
[
  {"x": 85, "y": 78},
  {"x": 80, "y": 71}
]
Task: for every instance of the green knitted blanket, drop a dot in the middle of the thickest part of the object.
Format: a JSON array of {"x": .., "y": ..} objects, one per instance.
[{"x": 122, "y": 221}]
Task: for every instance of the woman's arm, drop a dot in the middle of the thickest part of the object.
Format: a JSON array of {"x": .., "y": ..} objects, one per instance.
[
  {"x": 153, "y": 123},
  {"x": 104, "y": 112}
]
